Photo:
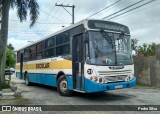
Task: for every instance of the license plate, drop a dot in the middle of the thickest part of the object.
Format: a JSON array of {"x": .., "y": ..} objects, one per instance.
[{"x": 118, "y": 86}]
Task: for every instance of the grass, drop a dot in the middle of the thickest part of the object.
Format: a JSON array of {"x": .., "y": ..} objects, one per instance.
[
  {"x": 4, "y": 86},
  {"x": 14, "y": 101}
]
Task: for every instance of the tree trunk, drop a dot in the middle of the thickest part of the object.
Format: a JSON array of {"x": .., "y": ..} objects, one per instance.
[{"x": 3, "y": 39}]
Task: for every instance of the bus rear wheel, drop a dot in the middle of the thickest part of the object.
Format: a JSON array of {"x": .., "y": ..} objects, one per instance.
[{"x": 62, "y": 86}]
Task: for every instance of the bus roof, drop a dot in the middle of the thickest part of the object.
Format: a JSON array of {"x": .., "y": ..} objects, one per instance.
[
  {"x": 63, "y": 30},
  {"x": 60, "y": 31}
]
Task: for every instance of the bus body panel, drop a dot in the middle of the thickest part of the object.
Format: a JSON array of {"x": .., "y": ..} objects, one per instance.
[
  {"x": 94, "y": 87},
  {"x": 45, "y": 70},
  {"x": 107, "y": 71},
  {"x": 90, "y": 86}
]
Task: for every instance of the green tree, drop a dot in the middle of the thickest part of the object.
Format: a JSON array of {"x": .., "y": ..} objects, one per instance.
[
  {"x": 23, "y": 8},
  {"x": 147, "y": 49},
  {"x": 134, "y": 43},
  {"x": 10, "y": 59},
  {"x": 152, "y": 49},
  {"x": 10, "y": 46}
]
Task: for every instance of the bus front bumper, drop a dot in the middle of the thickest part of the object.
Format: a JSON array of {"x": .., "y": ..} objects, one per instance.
[{"x": 91, "y": 86}]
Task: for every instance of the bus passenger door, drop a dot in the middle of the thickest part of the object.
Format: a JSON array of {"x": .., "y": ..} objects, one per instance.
[{"x": 77, "y": 62}]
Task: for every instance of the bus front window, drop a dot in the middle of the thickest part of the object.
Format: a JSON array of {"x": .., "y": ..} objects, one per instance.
[{"x": 109, "y": 49}]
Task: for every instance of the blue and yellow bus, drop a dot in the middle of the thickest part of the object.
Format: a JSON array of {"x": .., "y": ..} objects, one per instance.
[{"x": 89, "y": 56}]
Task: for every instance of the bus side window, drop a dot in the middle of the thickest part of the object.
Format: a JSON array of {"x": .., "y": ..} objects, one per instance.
[
  {"x": 33, "y": 52},
  {"x": 49, "y": 47},
  {"x": 63, "y": 44},
  {"x": 26, "y": 54},
  {"x": 50, "y": 52},
  {"x": 39, "y": 53},
  {"x": 62, "y": 50},
  {"x": 50, "y": 42}
]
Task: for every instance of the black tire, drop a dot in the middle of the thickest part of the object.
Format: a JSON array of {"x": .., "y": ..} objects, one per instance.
[
  {"x": 27, "y": 82},
  {"x": 63, "y": 91}
]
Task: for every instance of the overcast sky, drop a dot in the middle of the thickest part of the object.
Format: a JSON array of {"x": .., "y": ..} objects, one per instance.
[{"x": 144, "y": 23}]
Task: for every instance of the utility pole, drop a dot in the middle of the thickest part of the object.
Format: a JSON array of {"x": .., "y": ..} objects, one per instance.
[{"x": 63, "y": 6}]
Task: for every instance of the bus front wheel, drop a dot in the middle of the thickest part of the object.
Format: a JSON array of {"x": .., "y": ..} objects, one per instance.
[{"x": 62, "y": 86}]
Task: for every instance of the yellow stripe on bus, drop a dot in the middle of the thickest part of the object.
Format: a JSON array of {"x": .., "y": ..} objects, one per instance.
[{"x": 63, "y": 64}]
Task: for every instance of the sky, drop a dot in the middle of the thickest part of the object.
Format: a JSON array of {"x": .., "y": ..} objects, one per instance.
[{"x": 144, "y": 23}]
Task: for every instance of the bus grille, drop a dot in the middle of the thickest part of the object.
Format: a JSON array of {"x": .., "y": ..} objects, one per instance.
[
  {"x": 114, "y": 73},
  {"x": 115, "y": 78}
]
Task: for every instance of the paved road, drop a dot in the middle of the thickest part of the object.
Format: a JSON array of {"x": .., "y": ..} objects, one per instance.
[{"x": 44, "y": 95}]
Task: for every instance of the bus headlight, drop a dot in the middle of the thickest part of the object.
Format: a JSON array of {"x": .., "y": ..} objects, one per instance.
[
  {"x": 94, "y": 78},
  {"x": 98, "y": 79},
  {"x": 129, "y": 78}
]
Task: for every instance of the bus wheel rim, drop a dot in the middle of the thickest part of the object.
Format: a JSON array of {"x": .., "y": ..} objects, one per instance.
[{"x": 63, "y": 86}]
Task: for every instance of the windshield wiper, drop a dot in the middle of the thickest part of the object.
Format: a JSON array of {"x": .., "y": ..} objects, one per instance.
[
  {"x": 110, "y": 41},
  {"x": 121, "y": 36},
  {"x": 106, "y": 36}
]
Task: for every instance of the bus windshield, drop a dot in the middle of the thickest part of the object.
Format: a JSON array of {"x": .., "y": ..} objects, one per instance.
[{"x": 108, "y": 48}]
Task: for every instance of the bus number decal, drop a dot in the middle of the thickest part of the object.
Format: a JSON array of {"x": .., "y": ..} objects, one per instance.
[{"x": 89, "y": 71}]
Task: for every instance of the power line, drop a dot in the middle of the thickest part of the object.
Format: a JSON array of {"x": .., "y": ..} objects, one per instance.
[
  {"x": 52, "y": 7},
  {"x": 60, "y": 9},
  {"x": 31, "y": 33},
  {"x": 52, "y": 15},
  {"x": 49, "y": 12},
  {"x": 40, "y": 22},
  {"x": 124, "y": 9},
  {"x": 140, "y": 11},
  {"x": 104, "y": 8},
  {"x": 28, "y": 32},
  {"x": 61, "y": 5},
  {"x": 132, "y": 9}
]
